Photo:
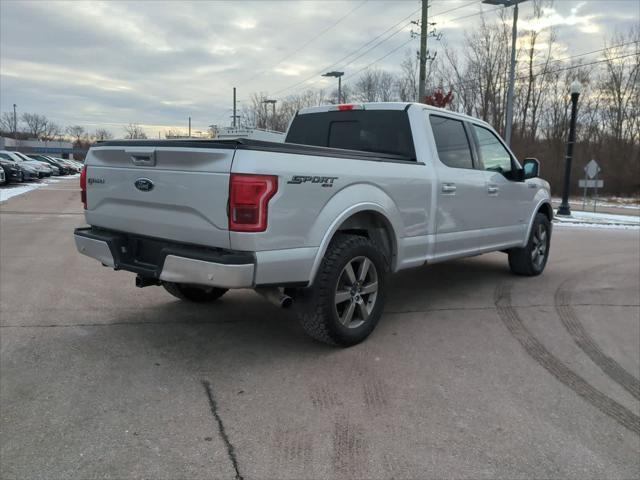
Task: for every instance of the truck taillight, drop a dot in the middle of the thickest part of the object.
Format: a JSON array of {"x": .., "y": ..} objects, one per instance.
[
  {"x": 83, "y": 186},
  {"x": 249, "y": 197},
  {"x": 345, "y": 107}
]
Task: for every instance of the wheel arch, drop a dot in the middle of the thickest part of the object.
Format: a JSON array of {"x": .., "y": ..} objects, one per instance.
[
  {"x": 366, "y": 219},
  {"x": 543, "y": 206},
  {"x": 547, "y": 210}
]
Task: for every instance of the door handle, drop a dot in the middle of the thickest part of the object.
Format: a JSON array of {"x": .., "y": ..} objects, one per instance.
[
  {"x": 448, "y": 188},
  {"x": 492, "y": 189}
]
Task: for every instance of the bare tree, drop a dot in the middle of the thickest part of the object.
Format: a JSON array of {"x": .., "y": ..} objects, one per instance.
[
  {"x": 620, "y": 86},
  {"x": 134, "y": 131},
  {"x": 36, "y": 124},
  {"x": 6, "y": 122},
  {"x": 77, "y": 132},
  {"x": 367, "y": 87},
  {"x": 407, "y": 83},
  {"x": 51, "y": 131},
  {"x": 102, "y": 134},
  {"x": 533, "y": 89}
]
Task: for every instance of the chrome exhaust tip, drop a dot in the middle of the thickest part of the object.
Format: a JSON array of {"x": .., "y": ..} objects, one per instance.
[{"x": 275, "y": 296}]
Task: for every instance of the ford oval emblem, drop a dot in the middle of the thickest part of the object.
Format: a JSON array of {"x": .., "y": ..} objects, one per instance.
[{"x": 144, "y": 184}]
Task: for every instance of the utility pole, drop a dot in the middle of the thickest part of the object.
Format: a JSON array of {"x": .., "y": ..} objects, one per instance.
[
  {"x": 234, "y": 107},
  {"x": 189, "y": 127},
  {"x": 424, "y": 24},
  {"x": 15, "y": 123}
]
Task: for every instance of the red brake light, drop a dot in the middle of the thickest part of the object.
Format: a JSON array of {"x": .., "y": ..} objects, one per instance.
[
  {"x": 248, "y": 199},
  {"x": 83, "y": 186},
  {"x": 346, "y": 107}
]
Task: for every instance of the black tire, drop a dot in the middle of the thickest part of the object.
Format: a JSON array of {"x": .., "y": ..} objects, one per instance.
[
  {"x": 323, "y": 309},
  {"x": 194, "y": 293},
  {"x": 531, "y": 260}
]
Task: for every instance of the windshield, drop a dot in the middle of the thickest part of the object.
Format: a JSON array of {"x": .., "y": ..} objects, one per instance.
[
  {"x": 381, "y": 131},
  {"x": 22, "y": 156},
  {"x": 14, "y": 157}
]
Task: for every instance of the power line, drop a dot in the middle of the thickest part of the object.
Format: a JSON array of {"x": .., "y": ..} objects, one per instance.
[
  {"x": 351, "y": 53},
  {"x": 586, "y": 53},
  {"x": 316, "y": 75},
  {"x": 307, "y": 43},
  {"x": 405, "y": 43},
  {"x": 379, "y": 59},
  {"x": 547, "y": 72}
]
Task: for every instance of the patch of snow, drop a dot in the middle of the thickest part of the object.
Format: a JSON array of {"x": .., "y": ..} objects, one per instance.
[
  {"x": 609, "y": 202},
  {"x": 598, "y": 220},
  {"x": 606, "y": 217},
  {"x": 13, "y": 191},
  {"x": 611, "y": 226}
]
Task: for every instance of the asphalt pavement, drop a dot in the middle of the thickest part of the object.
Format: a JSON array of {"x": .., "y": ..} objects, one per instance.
[{"x": 472, "y": 372}]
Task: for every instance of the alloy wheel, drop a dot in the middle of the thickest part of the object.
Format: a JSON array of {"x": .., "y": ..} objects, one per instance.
[
  {"x": 539, "y": 249},
  {"x": 356, "y": 292}
]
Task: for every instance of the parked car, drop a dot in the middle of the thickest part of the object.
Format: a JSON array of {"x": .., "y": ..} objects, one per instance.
[
  {"x": 64, "y": 169},
  {"x": 3, "y": 178},
  {"x": 355, "y": 193},
  {"x": 12, "y": 171},
  {"x": 44, "y": 169},
  {"x": 29, "y": 172},
  {"x": 41, "y": 169},
  {"x": 74, "y": 167}
]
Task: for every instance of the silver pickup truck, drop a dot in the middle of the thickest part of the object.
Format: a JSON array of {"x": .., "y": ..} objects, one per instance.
[{"x": 355, "y": 193}]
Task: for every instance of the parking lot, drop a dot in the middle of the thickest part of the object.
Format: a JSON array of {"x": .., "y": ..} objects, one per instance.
[{"x": 472, "y": 372}]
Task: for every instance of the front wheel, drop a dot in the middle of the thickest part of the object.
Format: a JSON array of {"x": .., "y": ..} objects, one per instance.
[
  {"x": 347, "y": 298},
  {"x": 532, "y": 259},
  {"x": 194, "y": 293}
]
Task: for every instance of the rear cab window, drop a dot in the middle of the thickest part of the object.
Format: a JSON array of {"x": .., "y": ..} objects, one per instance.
[
  {"x": 452, "y": 142},
  {"x": 377, "y": 131}
]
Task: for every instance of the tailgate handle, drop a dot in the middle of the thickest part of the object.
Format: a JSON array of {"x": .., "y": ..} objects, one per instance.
[{"x": 143, "y": 158}]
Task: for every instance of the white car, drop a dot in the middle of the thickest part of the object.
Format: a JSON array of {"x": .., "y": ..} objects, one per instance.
[{"x": 355, "y": 192}]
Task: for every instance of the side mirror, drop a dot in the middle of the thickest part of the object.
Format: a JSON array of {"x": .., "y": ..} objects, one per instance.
[{"x": 531, "y": 168}]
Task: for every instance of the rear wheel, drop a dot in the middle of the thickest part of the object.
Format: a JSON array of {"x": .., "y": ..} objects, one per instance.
[
  {"x": 194, "y": 293},
  {"x": 532, "y": 259},
  {"x": 347, "y": 298}
]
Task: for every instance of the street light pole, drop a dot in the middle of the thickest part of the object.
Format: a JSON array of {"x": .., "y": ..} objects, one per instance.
[
  {"x": 15, "y": 123},
  {"x": 338, "y": 75},
  {"x": 565, "y": 209},
  {"x": 512, "y": 66},
  {"x": 512, "y": 74}
]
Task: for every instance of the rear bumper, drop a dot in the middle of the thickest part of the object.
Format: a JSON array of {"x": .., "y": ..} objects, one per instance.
[{"x": 167, "y": 261}]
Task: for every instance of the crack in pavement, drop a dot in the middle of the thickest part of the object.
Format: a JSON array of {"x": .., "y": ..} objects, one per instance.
[{"x": 231, "y": 453}]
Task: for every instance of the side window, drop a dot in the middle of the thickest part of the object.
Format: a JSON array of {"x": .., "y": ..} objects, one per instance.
[
  {"x": 493, "y": 154},
  {"x": 5, "y": 156},
  {"x": 451, "y": 141}
]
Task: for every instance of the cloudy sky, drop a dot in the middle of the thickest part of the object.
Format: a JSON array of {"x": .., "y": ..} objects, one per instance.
[{"x": 105, "y": 64}]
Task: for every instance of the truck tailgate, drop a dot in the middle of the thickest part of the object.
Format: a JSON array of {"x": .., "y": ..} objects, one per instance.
[{"x": 169, "y": 192}]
